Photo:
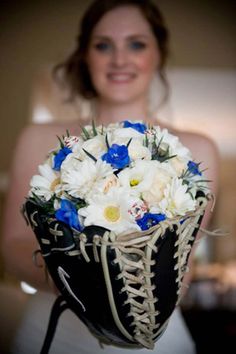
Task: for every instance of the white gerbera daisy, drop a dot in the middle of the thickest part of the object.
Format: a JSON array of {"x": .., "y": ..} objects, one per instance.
[
  {"x": 111, "y": 211},
  {"x": 176, "y": 201},
  {"x": 46, "y": 184},
  {"x": 84, "y": 176}
]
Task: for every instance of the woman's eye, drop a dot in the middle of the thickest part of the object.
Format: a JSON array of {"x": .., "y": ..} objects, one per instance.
[
  {"x": 137, "y": 45},
  {"x": 102, "y": 46}
]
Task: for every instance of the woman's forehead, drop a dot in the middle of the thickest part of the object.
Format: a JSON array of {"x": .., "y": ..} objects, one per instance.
[{"x": 122, "y": 21}]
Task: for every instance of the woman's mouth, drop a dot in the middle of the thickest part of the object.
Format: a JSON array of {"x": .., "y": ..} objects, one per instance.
[{"x": 120, "y": 77}]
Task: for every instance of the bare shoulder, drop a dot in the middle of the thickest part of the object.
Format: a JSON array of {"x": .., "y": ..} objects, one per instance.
[
  {"x": 35, "y": 132},
  {"x": 203, "y": 150},
  {"x": 200, "y": 145},
  {"x": 38, "y": 139}
]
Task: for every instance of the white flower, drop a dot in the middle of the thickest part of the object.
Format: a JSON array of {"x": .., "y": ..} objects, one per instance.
[
  {"x": 179, "y": 164},
  {"x": 176, "y": 201},
  {"x": 138, "y": 209},
  {"x": 84, "y": 176},
  {"x": 96, "y": 146},
  {"x": 72, "y": 161},
  {"x": 175, "y": 146},
  {"x": 46, "y": 184},
  {"x": 109, "y": 182},
  {"x": 111, "y": 211},
  {"x": 138, "y": 151},
  {"x": 139, "y": 177},
  {"x": 162, "y": 176},
  {"x": 116, "y": 200},
  {"x": 73, "y": 142},
  {"x": 123, "y": 135}
]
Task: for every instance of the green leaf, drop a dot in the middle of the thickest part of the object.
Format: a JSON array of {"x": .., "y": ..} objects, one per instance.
[
  {"x": 146, "y": 141},
  {"x": 107, "y": 143},
  {"x": 61, "y": 142},
  {"x": 90, "y": 155},
  {"x": 94, "y": 128},
  {"x": 127, "y": 145},
  {"x": 85, "y": 132}
]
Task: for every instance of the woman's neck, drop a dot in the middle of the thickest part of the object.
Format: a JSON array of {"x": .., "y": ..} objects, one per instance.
[{"x": 111, "y": 113}]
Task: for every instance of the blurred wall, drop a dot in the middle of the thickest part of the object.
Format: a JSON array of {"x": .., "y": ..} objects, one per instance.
[{"x": 37, "y": 34}]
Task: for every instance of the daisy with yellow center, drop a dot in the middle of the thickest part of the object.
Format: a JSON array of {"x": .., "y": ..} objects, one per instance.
[
  {"x": 111, "y": 211},
  {"x": 176, "y": 201},
  {"x": 46, "y": 184}
]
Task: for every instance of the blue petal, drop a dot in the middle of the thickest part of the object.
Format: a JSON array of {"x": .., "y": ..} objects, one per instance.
[
  {"x": 140, "y": 127},
  {"x": 60, "y": 157},
  {"x": 117, "y": 156},
  {"x": 149, "y": 220},
  {"x": 193, "y": 167},
  {"x": 68, "y": 214}
]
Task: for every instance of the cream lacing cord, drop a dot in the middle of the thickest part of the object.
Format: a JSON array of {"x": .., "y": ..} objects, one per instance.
[
  {"x": 135, "y": 266},
  {"x": 133, "y": 273},
  {"x": 185, "y": 237}
]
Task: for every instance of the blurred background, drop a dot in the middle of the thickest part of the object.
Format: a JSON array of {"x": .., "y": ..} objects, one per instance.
[{"x": 202, "y": 74}]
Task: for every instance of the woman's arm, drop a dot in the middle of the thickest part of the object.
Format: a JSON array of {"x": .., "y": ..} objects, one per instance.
[
  {"x": 204, "y": 150},
  {"x": 19, "y": 241}
]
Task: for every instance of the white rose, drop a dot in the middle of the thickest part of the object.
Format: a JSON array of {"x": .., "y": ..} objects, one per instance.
[
  {"x": 163, "y": 176},
  {"x": 138, "y": 151},
  {"x": 178, "y": 164},
  {"x": 95, "y": 146},
  {"x": 123, "y": 135},
  {"x": 71, "y": 162}
]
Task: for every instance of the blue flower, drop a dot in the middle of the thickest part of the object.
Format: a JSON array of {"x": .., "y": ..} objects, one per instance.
[
  {"x": 149, "y": 220},
  {"x": 193, "y": 167},
  {"x": 68, "y": 214},
  {"x": 117, "y": 156},
  {"x": 140, "y": 127},
  {"x": 60, "y": 157}
]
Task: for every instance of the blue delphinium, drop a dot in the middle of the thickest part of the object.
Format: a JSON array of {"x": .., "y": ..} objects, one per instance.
[
  {"x": 60, "y": 157},
  {"x": 68, "y": 214},
  {"x": 193, "y": 167},
  {"x": 140, "y": 127},
  {"x": 149, "y": 220},
  {"x": 117, "y": 156}
]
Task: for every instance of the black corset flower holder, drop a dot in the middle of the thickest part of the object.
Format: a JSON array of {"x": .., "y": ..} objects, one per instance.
[{"x": 123, "y": 287}]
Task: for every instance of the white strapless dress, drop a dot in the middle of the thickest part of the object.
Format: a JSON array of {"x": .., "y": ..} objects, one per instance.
[{"x": 72, "y": 336}]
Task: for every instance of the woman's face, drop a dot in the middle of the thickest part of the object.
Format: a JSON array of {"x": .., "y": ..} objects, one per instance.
[{"x": 122, "y": 55}]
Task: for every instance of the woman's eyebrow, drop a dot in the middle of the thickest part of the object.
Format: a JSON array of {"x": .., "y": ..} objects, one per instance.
[
  {"x": 129, "y": 37},
  {"x": 101, "y": 37}
]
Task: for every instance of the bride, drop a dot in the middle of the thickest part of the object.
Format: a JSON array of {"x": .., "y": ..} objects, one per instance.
[{"x": 122, "y": 47}]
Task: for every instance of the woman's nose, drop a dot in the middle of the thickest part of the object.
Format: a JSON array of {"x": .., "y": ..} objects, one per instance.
[{"x": 119, "y": 57}]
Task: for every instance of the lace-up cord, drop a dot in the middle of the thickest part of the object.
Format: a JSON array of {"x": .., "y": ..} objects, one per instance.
[
  {"x": 133, "y": 272},
  {"x": 133, "y": 255},
  {"x": 32, "y": 216},
  {"x": 183, "y": 243}
]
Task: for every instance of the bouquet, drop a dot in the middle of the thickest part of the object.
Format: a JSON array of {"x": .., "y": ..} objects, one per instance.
[{"x": 116, "y": 211}]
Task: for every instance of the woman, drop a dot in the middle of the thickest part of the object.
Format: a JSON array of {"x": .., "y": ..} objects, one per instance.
[{"x": 122, "y": 46}]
